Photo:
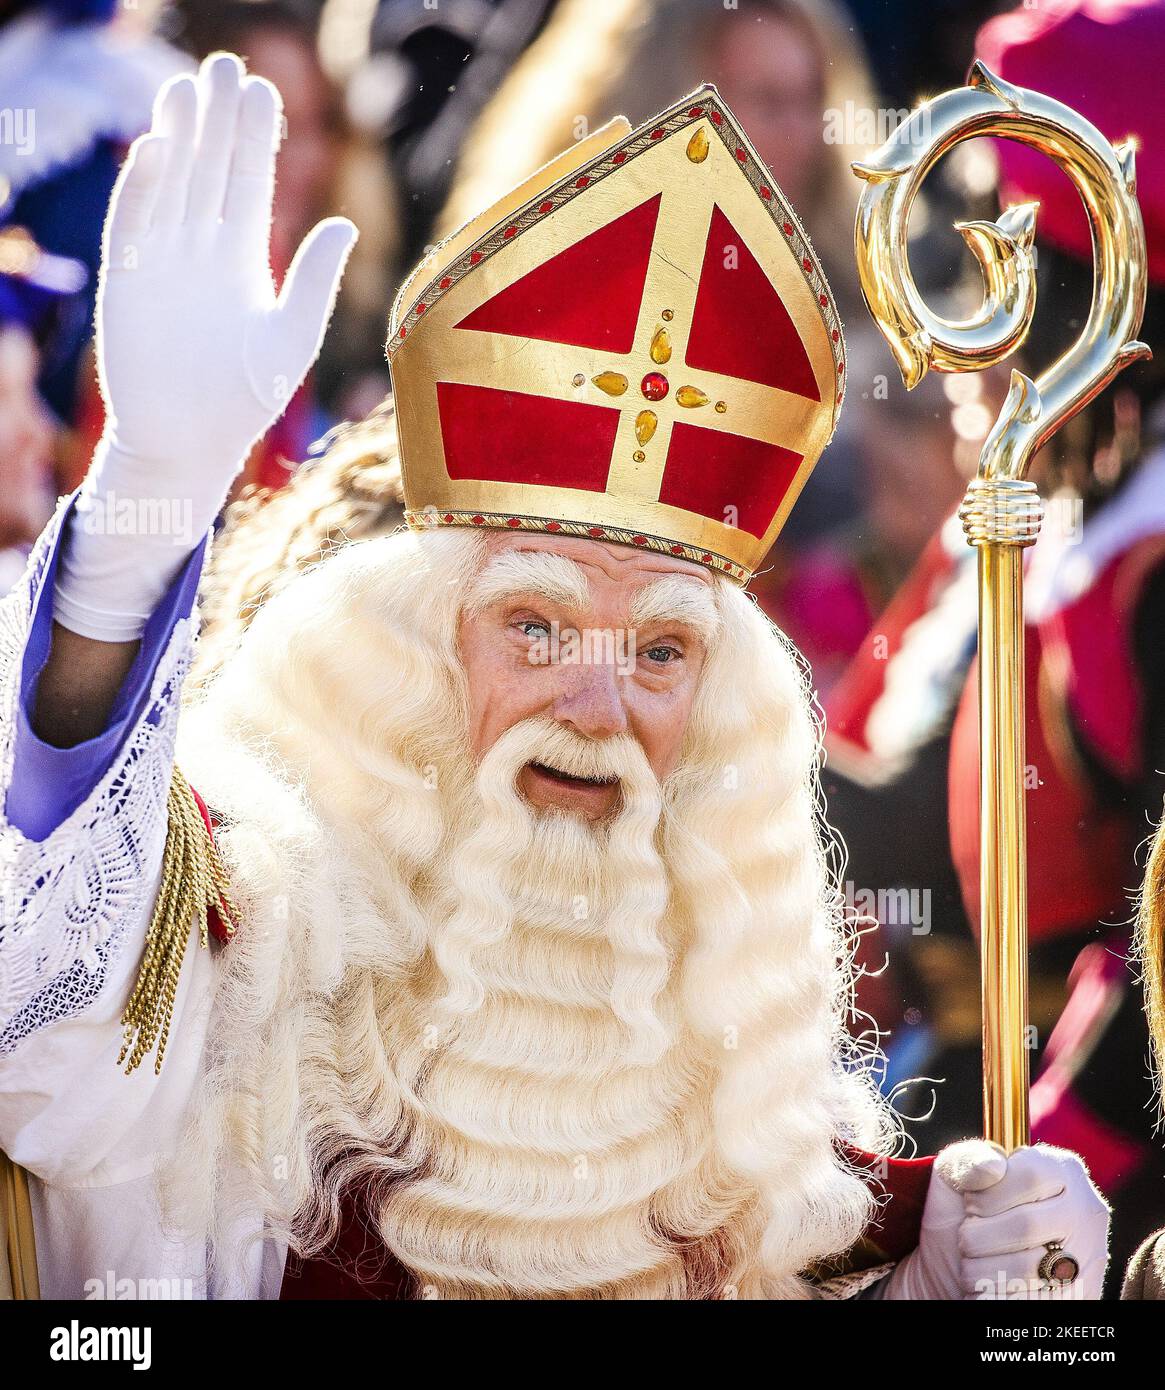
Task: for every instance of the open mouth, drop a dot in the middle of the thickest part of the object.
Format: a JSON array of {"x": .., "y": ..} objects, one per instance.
[{"x": 568, "y": 779}]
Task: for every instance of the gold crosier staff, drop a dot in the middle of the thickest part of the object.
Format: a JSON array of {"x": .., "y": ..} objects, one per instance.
[{"x": 1002, "y": 511}]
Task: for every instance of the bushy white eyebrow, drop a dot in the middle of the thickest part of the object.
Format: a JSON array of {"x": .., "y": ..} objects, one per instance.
[
  {"x": 677, "y": 599},
  {"x": 673, "y": 598},
  {"x": 541, "y": 572}
]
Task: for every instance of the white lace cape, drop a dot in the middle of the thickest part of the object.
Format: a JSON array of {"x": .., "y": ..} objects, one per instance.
[{"x": 64, "y": 901}]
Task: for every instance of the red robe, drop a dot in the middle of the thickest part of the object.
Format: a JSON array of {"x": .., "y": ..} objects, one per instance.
[{"x": 357, "y": 1266}]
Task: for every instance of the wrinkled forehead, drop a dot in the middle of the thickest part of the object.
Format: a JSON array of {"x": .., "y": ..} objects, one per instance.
[{"x": 597, "y": 581}]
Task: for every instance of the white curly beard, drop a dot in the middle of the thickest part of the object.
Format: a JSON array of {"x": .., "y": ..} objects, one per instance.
[{"x": 563, "y": 1112}]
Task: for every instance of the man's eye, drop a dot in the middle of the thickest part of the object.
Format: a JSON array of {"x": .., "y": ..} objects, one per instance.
[
  {"x": 534, "y": 627},
  {"x": 663, "y": 655}
]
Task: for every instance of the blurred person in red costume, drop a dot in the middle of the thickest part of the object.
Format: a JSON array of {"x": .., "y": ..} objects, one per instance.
[
  {"x": 529, "y": 970},
  {"x": 903, "y": 721}
]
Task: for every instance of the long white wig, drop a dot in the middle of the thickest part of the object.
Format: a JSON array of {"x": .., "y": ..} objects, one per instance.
[{"x": 556, "y": 1061}]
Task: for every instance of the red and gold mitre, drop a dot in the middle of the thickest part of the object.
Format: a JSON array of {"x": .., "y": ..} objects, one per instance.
[{"x": 637, "y": 345}]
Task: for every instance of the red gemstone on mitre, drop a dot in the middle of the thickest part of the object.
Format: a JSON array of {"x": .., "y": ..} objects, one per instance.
[
  {"x": 696, "y": 111},
  {"x": 619, "y": 158},
  {"x": 420, "y": 308},
  {"x": 545, "y": 207},
  {"x": 553, "y": 526},
  {"x": 474, "y": 258},
  {"x": 594, "y": 530},
  {"x": 788, "y": 229},
  {"x": 807, "y": 264},
  {"x": 717, "y": 118},
  {"x": 639, "y": 540},
  {"x": 448, "y": 517},
  {"x": 741, "y": 155},
  {"x": 677, "y": 550},
  {"x": 513, "y": 521},
  {"x": 478, "y": 520},
  {"x": 509, "y": 231},
  {"x": 581, "y": 183},
  {"x": 654, "y": 386},
  {"x": 766, "y": 193},
  {"x": 657, "y": 134},
  {"x": 445, "y": 283}
]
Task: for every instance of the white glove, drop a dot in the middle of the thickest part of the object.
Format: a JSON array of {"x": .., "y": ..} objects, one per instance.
[
  {"x": 989, "y": 1219},
  {"x": 196, "y": 354}
]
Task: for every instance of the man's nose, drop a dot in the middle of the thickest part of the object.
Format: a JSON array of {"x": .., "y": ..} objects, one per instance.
[{"x": 591, "y": 702}]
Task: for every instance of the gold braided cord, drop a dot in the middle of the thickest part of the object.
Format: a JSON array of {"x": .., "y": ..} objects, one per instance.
[
  {"x": 194, "y": 880},
  {"x": 18, "y": 1272}
]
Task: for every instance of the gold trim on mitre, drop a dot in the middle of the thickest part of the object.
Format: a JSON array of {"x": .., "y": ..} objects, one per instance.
[{"x": 693, "y": 156}]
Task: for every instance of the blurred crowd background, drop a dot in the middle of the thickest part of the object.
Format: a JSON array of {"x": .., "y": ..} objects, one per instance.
[{"x": 411, "y": 115}]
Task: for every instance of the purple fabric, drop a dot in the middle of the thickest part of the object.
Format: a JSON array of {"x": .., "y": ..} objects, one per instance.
[
  {"x": 25, "y": 304},
  {"x": 48, "y": 784}
]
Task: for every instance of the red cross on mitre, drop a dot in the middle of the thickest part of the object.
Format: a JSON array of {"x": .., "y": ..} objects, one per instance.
[{"x": 644, "y": 349}]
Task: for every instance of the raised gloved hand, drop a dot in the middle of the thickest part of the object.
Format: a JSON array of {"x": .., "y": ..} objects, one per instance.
[
  {"x": 990, "y": 1219},
  {"x": 197, "y": 355}
]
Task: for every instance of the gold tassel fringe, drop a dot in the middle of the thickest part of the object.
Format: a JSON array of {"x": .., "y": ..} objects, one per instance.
[
  {"x": 18, "y": 1272},
  {"x": 193, "y": 880}
]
